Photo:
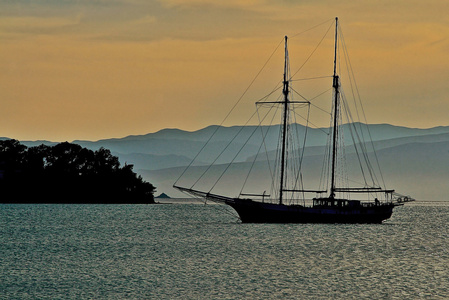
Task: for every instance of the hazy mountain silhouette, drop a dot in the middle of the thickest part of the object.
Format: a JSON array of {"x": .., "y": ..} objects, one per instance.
[
  {"x": 187, "y": 144},
  {"x": 409, "y": 157},
  {"x": 418, "y": 169}
]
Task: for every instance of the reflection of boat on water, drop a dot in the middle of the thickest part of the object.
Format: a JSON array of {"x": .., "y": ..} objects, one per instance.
[{"x": 336, "y": 201}]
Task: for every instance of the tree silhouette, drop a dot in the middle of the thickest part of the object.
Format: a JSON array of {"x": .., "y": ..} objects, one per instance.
[{"x": 67, "y": 173}]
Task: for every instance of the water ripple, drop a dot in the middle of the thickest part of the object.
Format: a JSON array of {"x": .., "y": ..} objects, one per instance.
[{"x": 199, "y": 252}]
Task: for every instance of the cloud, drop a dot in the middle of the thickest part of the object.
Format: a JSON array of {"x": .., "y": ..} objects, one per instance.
[
  {"x": 196, "y": 3},
  {"x": 32, "y": 23},
  {"x": 132, "y": 56},
  {"x": 146, "y": 20}
]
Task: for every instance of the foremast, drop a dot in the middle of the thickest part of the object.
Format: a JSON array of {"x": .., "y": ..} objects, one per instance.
[
  {"x": 285, "y": 91},
  {"x": 336, "y": 104}
]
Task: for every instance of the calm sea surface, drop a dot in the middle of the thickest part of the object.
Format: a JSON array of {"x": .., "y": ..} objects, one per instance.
[{"x": 192, "y": 251}]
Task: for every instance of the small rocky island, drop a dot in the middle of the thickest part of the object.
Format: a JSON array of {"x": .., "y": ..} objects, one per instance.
[
  {"x": 67, "y": 173},
  {"x": 163, "y": 196}
]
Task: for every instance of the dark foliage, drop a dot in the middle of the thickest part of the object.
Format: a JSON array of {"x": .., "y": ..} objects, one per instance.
[{"x": 67, "y": 173}]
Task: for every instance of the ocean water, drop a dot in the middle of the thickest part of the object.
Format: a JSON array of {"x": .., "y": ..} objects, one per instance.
[{"x": 193, "y": 251}]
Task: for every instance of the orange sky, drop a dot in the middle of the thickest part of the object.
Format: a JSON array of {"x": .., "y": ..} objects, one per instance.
[{"x": 100, "y": 69}]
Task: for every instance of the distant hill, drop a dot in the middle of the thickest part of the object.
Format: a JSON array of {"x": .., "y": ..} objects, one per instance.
[
  {"x": 152, "y": 161},
  {"x": 413, "y": 161},
  {"x": 409, "y": 156},
  {"x": 32, "y": 143},
  {"x": 417, "y": 169},
  {"x": 173, "y": 147}
]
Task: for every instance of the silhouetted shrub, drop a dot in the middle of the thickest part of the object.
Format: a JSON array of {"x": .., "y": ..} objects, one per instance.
[{"x": 67, "y": 173}]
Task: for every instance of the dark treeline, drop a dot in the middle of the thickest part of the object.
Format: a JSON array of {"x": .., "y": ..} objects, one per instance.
[{"x": 67, "y": 173}]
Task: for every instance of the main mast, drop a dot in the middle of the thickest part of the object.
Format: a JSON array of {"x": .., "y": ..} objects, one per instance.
[
  {"x": 335, "y": 85},
  {"x": 284, "y": 123}
]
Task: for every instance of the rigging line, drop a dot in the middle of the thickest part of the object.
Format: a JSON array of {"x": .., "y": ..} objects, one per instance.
[
  {"x": 295, "y": 35},
  {"x": 258, "y": 151},
  {"x": 360, "y": 137},
  {"x": 351, "y": 79},
  {"x": 361, "y": 143},
  {"x": 311, "y": 78},
  {"x": 343, "y": 172},
  {"x": 330, "y": 143},
  {"x": 299, "y": 94},
  {"x": 277, "y": 160},
  {"x": 361, "y": 183},
  {"x": 308, "y": 58},
  {"x": 254, "y": 79},
  {"x": 295, "y": 161},
  {"x": 223, "y": 208},
  {"x": 363, "y": 111},
  {"x": 301, "y": 153},
  {"x": 287, "y": 155},
  {"x": 268, "y": 104},
  {"x": 232, "y": 109},
  {"x": 224, "y": 149},
  {"x": 341, "y": 167},
  {"x": 276, "y": 87},
  {"x": 226, "y": 209},
  {"x": 349, "y": 117},
  {"x": 310, "y": 103},
  {"x": 320, "y": 94},
  {"x": 363, "y": 149},
  {"x": 260, "y": 101},
  {"x": 324, "y": 176},
  {"x": 272, "y": 174},
  {"x": 325, "y": 172},
  {"x": 303, "y": 192},
  {"x": 238, "y": 152},
  {"x": 346, "y": 57},
  {"x": 276, "y": 163},
  {"x": 305, "y": 137},
  {"x": 308, "y": 122},
  {"x": 323, "y": 110},
  {"x": 271, "y": 170}
]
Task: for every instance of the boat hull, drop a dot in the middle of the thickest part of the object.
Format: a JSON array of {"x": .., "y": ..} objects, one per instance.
[{"x": 256, "y": 212}]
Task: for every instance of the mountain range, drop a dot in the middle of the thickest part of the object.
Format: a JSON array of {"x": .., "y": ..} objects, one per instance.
[{"x": 413, "y": 161}]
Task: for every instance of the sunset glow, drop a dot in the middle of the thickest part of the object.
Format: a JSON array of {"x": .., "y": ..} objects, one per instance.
[{"x": 101, "y": 69}]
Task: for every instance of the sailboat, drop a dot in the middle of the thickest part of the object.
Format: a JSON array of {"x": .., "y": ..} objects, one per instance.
[{"x": 365, "y": 203}]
